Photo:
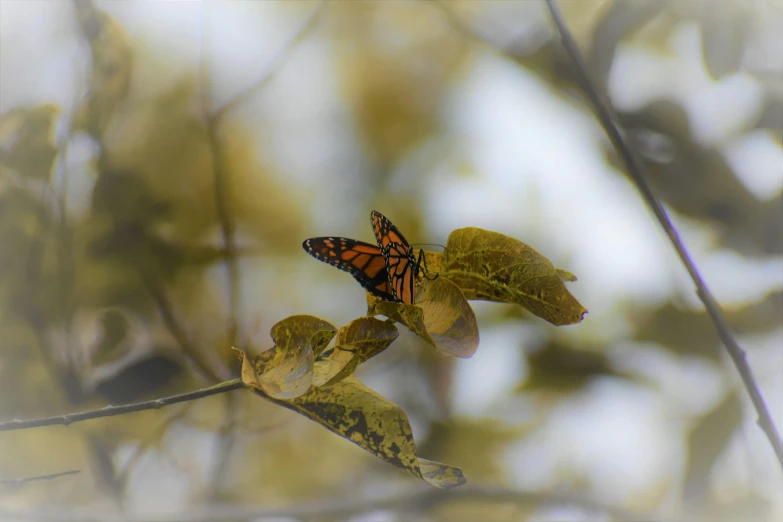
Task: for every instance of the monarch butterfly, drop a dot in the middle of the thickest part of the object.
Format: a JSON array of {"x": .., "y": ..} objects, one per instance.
[{"x": 388, "y": 270}]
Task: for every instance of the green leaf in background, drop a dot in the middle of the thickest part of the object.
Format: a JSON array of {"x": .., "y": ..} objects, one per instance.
[
  {"x": 112, "y": 67},
  {"x": 26, "y": 144},
  {"x": 691, "y": 332},
  {"x": 565, "y": 369},
  {"x": 708, "y": 440},
  {"x": 492, "y": 267}
]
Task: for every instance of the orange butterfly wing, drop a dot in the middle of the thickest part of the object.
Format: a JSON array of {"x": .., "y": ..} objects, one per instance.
[{"x": 365, "y": 262}]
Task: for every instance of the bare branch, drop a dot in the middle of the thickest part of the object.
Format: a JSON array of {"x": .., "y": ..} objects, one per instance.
[
  {"x": 277, "y": 61},
  {"x": 148, "y": 440},
  {"x": 224, "y": 446},
  {"x": 633, "y": 165},
  {"x": 24, "y": 480},
  {"x": 227, "y": 226},
  {"x": 111, "y": 411},
  {"x": 175, "y": 329}
]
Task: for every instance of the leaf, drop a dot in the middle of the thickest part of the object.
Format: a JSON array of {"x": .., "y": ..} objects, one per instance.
[
  {"x": 249, "y": 374},
  {"x": 448, "y": 317},
  {"x": 492, "y": 267},
  {"x": 26, "y": 145},
  {"x": 358, "y": 341},
  {"x": 286, "y": 371},
  {"x": 565, "y": 275},
  {"x": 372, "y": 422},
  {"x": 441, "y": 316}
]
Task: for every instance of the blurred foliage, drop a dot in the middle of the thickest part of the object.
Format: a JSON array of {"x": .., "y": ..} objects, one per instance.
[
  {"x": 395, "y": 90},
  {"x": 564, "y": 369},
  {"x": 26, "y": 135},
  {"x": 697, "y": 181},
  {"x": 112, "y": 67},
  {"x": 690, "y": 332},
  {"x": 481, "y": 443},
  {"x": 707, "y": 441},
  {"x": 116, "y": 301}
]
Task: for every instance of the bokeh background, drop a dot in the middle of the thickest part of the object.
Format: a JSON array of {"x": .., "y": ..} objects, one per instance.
[{"x": 135, "y": 137}]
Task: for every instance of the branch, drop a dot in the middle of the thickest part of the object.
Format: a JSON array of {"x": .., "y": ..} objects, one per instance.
[
  {"x": 277, "y": 61},
  {"x": 227, "y": 226},
  {"x": 175, "y": 329},
  {"x": 111, "y": 411},
  {"x": 149, "y": 439},
  {"x": 225, "y": 442},
  {"x": 21, "y": 481},
  {"x": 633, "y": 165}
]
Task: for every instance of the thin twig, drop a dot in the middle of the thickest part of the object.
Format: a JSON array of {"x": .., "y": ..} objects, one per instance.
[
  {"x": 227, "y": 229},
  {"x": 175, "y": 329},
  {"x": 111, "y": 411},
  {"x": 274, "y": 66},
  {"x": 225, "y": 441},
  {"x": 227, "y": 226},
  {"x": 148, "y": 440},
  {"x": 610, "y": 123},
  {"x": 24, "y": 480}
]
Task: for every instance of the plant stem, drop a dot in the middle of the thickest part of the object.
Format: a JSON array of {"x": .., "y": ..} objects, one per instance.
[
  {"x": 24, "y": 480},
  {"x": 111, "y": 411},
  {"x": 610, "y": 123}
]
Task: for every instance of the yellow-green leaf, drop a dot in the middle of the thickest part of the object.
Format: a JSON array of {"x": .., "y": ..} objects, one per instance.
[
  {"x": 492, "y": 267},
  {"x": 286, "y": 370},
  {"x": 358, "y": 341},
  {"x": 565, "y": 275},
  {"x": 441, "y": 316},
  {"x": 372, "y": 422},
  {"x": 448, "y": 317}
]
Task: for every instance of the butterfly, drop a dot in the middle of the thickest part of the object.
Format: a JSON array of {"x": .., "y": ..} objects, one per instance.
[{"x": 388, "y": 270}]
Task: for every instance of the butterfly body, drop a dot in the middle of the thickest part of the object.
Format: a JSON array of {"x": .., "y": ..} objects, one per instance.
[{"x": 388, "y": 270}]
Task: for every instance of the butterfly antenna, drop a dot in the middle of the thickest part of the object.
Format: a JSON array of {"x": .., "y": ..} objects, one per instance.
[{"x": 428, "y": 244}]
